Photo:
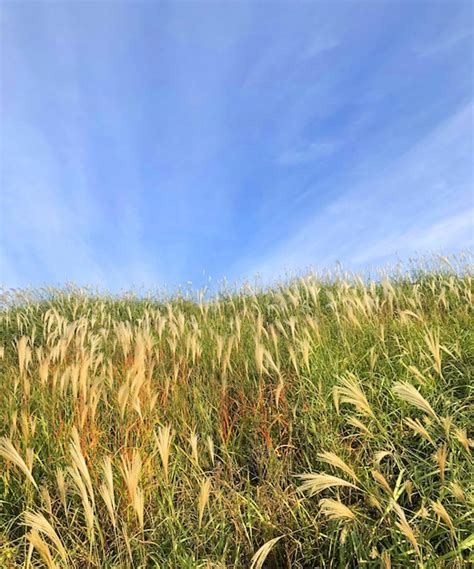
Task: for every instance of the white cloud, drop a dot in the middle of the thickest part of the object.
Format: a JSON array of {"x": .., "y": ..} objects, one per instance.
[
  {"x": 311, "y": 152},
  {"x": 443, "y": 235},
  {"x": 321, "y": 45},
  {"x": 444, "y": 43},
  {"x": 422, "y": 201},
  {"x": 60, "y": 220}
]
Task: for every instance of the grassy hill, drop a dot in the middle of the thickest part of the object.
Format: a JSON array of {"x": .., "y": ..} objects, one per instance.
[{"x": 323, "y": 423}]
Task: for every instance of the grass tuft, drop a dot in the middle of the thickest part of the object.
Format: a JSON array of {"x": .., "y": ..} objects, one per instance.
[{"x": 333, "y": 411}]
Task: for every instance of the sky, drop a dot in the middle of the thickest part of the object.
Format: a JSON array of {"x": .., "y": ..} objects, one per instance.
[{"x": 152, "y": 144}]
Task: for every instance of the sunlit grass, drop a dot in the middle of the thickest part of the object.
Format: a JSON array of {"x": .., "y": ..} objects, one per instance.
[{"x": 325, "y": 422}]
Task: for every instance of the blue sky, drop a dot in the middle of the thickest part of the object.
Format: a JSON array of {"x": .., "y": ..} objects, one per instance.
[{"x": 151, "y": 144}]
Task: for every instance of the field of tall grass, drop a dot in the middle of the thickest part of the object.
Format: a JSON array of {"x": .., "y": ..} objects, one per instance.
[{"x": 325, "y": 422}]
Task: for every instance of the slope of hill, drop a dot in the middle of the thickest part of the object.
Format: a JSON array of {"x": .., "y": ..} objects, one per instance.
[{"x": 323, "y": 423}]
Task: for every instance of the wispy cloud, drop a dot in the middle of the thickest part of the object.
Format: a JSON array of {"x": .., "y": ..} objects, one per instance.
[
  {"x": 448, "y": 234},
  {"x": 419, "y": 202},
  {"x": 311, "y": 152},
  {"x": 445, "y": 43},
  {"x": 56, "y": 222},
  {"x": 145, "y": 143},
  {"x": 322, "y": 44}
]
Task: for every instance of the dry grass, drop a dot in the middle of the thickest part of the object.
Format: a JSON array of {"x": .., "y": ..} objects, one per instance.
[{"x": 326, "y": 422}]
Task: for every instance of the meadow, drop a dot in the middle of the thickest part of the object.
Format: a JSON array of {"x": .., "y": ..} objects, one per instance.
[{"x": 323, "y": 422}]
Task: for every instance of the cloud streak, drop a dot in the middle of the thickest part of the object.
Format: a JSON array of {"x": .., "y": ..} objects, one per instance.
[
  {"x": 161, "y": 143},
  {"x": 420, "y": 202}
]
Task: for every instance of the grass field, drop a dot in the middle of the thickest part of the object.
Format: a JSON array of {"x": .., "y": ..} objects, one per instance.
[{"x": 323, "y": 423}]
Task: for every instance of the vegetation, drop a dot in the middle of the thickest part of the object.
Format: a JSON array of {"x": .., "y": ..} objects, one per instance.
[{"x": 325, "y": 422}]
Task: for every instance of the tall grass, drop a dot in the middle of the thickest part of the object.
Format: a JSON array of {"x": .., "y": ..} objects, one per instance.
[{"x": 324, "y": 422}]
